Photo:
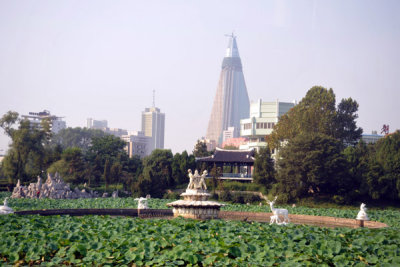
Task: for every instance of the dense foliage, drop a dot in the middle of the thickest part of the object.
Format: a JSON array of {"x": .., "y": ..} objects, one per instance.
[{"x": 102, "y": 240}]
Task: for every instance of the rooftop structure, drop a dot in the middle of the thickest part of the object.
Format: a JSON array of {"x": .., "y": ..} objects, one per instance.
[
  {"x": 231, "y": 102},
  {"x": 35, "y": 119}
]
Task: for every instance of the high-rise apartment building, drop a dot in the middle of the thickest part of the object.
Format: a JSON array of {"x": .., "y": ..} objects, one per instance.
[
  {"x": 153, "y": 125},
  {"x": 35, "y": 119},
  {"x": 231, "y": 102}
]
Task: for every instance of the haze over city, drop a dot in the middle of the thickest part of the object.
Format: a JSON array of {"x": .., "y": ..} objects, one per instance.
[{"x": 102, "y": 59}]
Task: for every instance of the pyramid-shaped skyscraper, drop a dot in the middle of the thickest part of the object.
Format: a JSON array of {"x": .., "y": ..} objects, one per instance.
[{"x": 231, "y": 102}]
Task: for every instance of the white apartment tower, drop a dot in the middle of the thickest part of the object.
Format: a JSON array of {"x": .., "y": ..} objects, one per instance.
[
  {"x": 153, "y": 125},
  {"x": 35, "y": 119}
]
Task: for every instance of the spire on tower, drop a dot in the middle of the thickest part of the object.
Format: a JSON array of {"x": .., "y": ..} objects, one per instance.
[
  {"x": 232, "y": 49},
  {"x": 154, "y": 98}
]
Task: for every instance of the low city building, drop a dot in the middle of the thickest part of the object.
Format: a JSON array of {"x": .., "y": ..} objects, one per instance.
[
  {"x": 371, "y": 138},
  {"x": 263, "y": 117},
  {"x": 137, "y": 144},
  {"x": 36, "y": 118}
]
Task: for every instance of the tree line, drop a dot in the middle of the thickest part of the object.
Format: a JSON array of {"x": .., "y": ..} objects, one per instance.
[
  {"x": 319, "y": 155},
  {"x": 90, "y": 156}
]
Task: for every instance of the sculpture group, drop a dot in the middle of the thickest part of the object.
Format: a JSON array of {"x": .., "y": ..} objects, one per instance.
[
  {"x": 54, "y": 187},
  {"x": 196, "y": 181}
]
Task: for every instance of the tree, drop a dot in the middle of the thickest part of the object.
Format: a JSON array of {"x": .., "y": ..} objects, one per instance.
[
  {"x": 312, "y": 165},
  {"x": 105, "y": 148},
  {"x": 346, "y": 128},
  {"x": 106, "y": 173},
  {"x": 180, "y": 165},
  {"x": 71, "y": 166},
  {"x": 200, "y": 150},
  {"x": 25, "y": 157},
  {"x": 358, "y": 160},
  {"x": 157, "y": 173},
  {"x": 76, "y": 137},
  {"x": 384, "y": 174},
  {"x": 264, "y": 169},
  {"x": 316, "y": 114},
  {"x": 215, "y": 173}
]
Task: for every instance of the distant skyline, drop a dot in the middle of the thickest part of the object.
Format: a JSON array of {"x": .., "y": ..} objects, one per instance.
[{"x": 103, "y": 59}]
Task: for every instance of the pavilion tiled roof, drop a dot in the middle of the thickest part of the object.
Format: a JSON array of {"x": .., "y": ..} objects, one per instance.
[{"x": 222, "y": 155}]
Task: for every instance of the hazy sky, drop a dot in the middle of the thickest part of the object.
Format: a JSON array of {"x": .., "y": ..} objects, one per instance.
[{"x": 103, "y": 59}]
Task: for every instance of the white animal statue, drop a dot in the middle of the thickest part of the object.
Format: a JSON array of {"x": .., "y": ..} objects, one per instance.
[
  {"x": 274, "y": 219},
  {"x": 362, "y": 214},
  {"x": 5, "y": 209},
  {"x": 142, "y": 204},
  {"x": 278, "y": 212}
]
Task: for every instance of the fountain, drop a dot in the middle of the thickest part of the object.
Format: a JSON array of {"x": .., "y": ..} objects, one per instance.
[{"x": 195, "y": 203}]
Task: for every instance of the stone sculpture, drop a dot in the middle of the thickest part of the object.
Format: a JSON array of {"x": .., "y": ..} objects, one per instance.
[
  {"x": 54, "y": 187},
  {"x": 196, "y": 181},
  {"x": 5, "y": 209},
  {"x": 142, "y": 203},
  {"x": 278, "y": 212},
  {"x": 362, "y": 214},
  {"x": 195, "y": 204}
]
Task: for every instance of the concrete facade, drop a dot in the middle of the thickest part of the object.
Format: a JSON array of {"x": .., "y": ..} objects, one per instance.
[
  {"x": 96, "y": 124},
  {"x": 153, "y": 125},
  {"x": 137, "y": 144},
  {"x": 35, "y": 119},
  {"x": 231, "y": 102},
  {"x": 263, "y": 117}
]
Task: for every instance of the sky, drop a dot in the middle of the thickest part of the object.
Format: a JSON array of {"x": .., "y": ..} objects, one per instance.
[{"x": 103, "y": 59}]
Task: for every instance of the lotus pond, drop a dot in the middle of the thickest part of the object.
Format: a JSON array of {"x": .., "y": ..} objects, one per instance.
[{"x": 106, "y": 241}]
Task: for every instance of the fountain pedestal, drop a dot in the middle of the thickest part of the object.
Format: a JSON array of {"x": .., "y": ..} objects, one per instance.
[{"x": 195, "y": 203}]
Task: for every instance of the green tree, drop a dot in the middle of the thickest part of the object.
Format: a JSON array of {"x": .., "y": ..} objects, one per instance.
[
  {"x": 316, "y": 114},
  {"x": 105, "y": 148},
  {"x": 264, "y": 169},
  {"x": 180, "y": 165},
  {"x": 106, "y": 173},
  {"x": 71, "y": 166},
  {"x": 311, "y": 165},
  {"x": 157, "y": 174},
  {"x": 25, "y": 159},
  {"x": 358, "y": 160},
  {"x": 76, "y": 137},
  {"x": 215, "y": 173},
  {"x": 200, "y": 150},
  {"x": 384, "y": 175},
  {"x": 346, "y": 128}
]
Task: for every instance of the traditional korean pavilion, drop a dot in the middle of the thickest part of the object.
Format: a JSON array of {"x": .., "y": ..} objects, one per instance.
[{"x": 236, "y": 164}]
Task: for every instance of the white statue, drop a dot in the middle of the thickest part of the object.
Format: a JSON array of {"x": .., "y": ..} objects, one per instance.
[
  {"x": 274, "y": 219},
  {"x": 5, "y": 209},
  {"x": 362, "y": 214},
  {"x": 196, "y": 181},
  {"x": 278, "y": 212},
  {"x": 142, "y": 204},
  {"x": 191, "y": 179},
  {"x": 203, "y": 180}
]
